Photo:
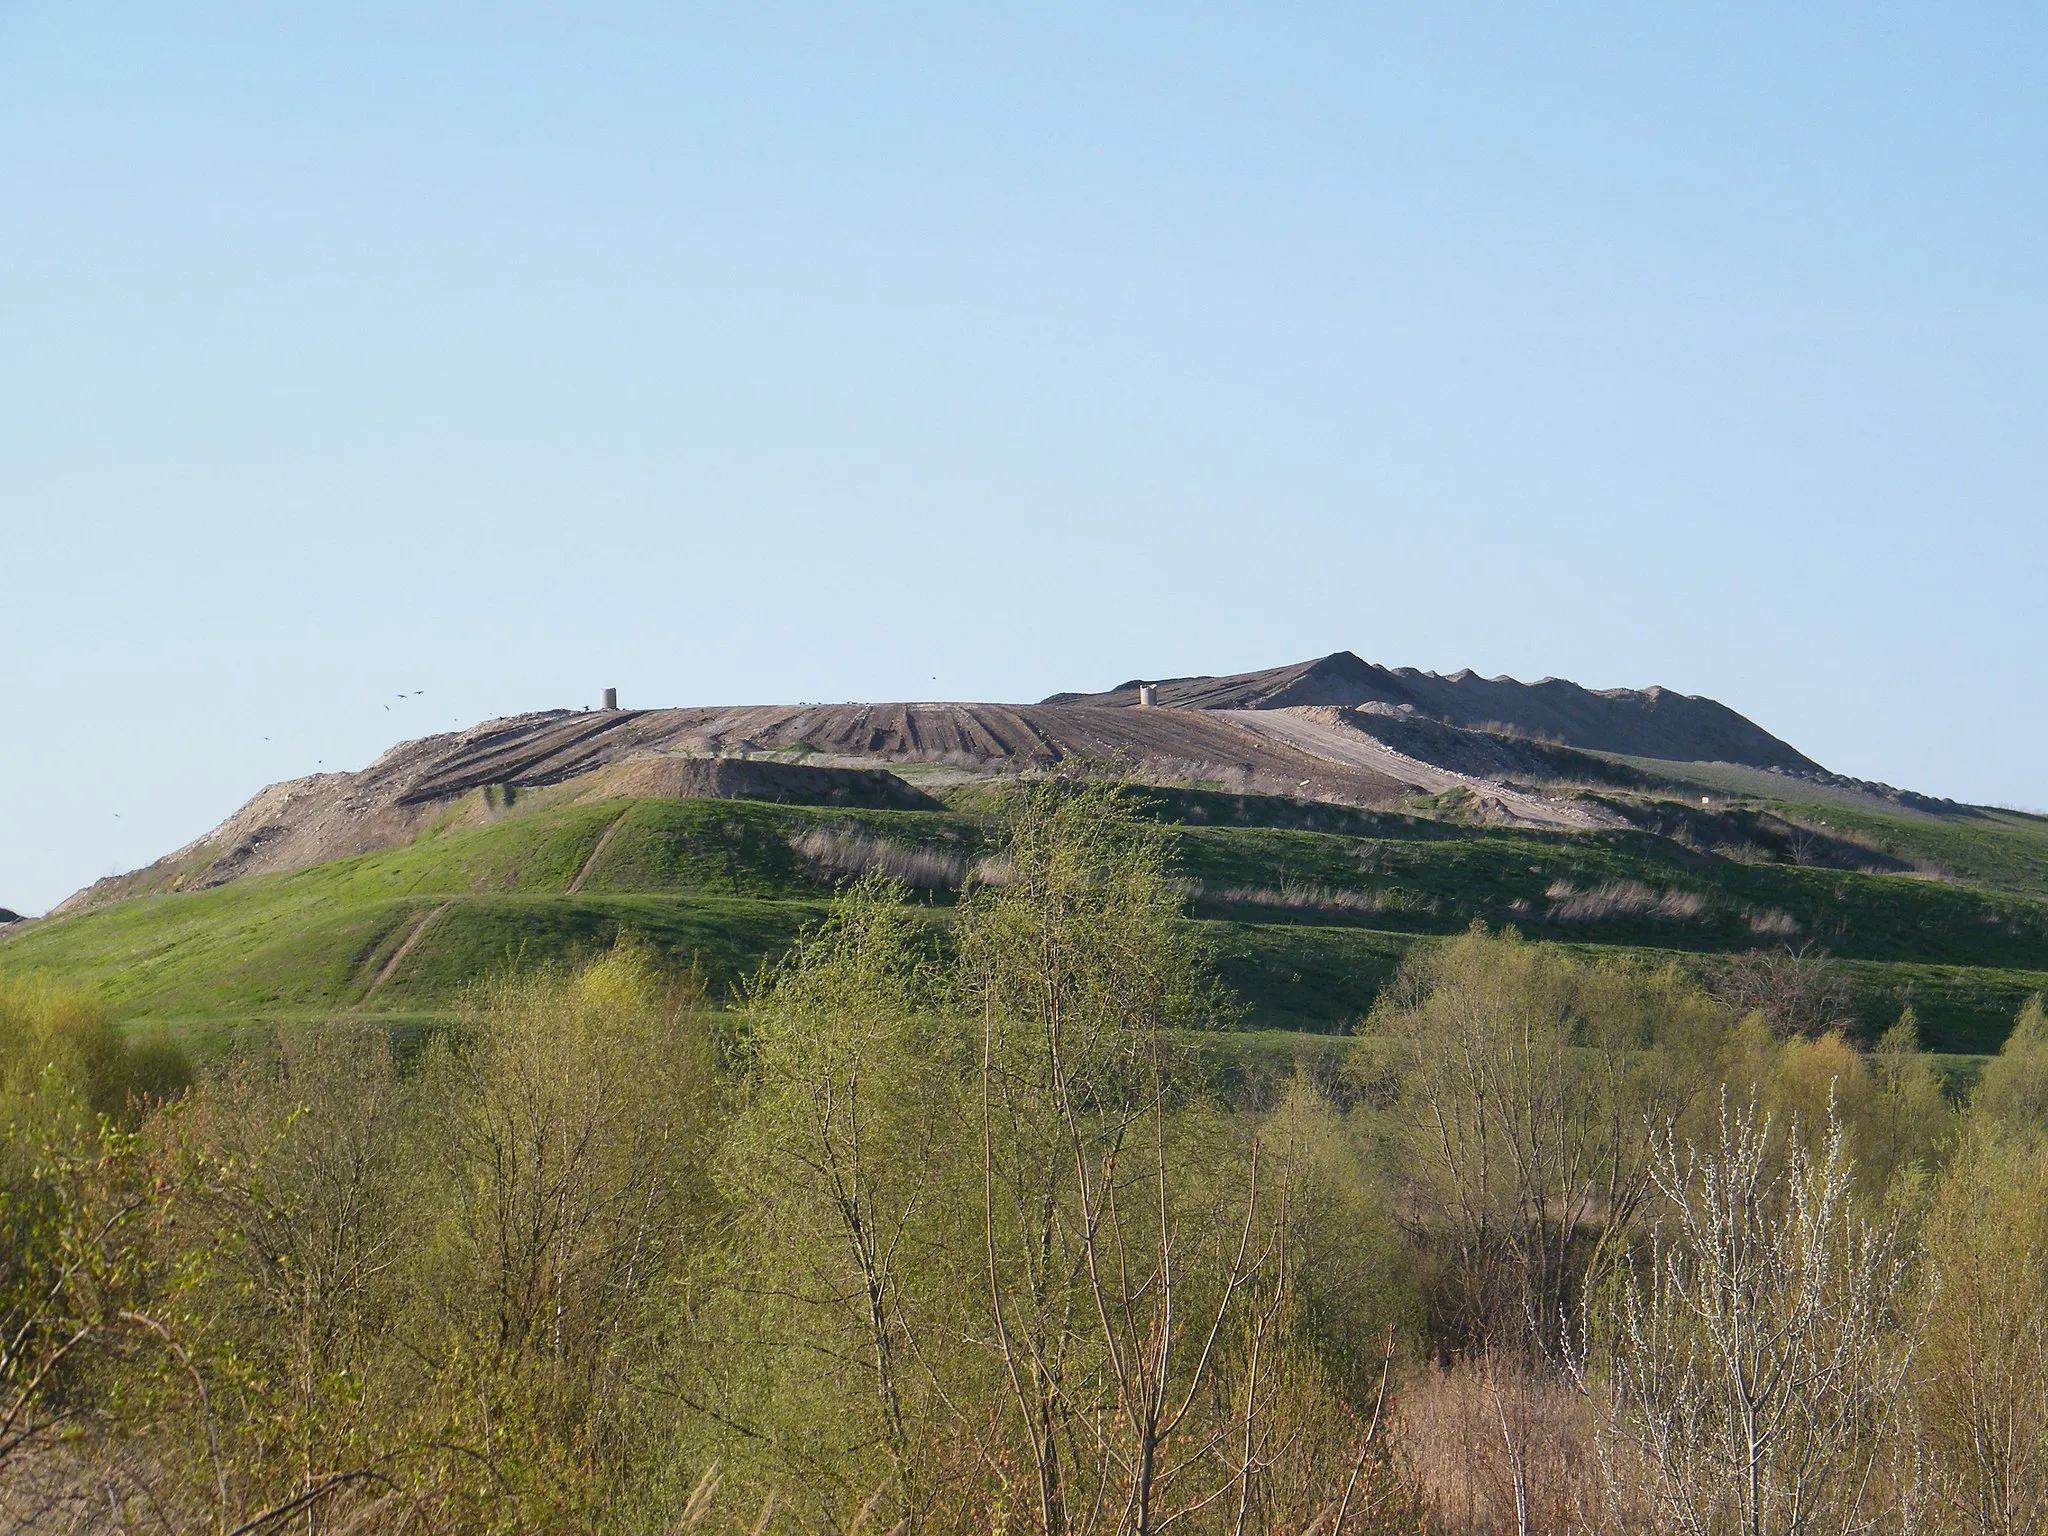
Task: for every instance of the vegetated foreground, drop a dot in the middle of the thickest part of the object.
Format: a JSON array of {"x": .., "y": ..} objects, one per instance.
[{"x": 942, "y": 1225}]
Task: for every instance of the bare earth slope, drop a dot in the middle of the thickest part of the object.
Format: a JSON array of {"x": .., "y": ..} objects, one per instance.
[
  {"x": 1651, "y": 722},
  {"x": 1337, "y": 729},
  {"x": 646, "y": 752}
]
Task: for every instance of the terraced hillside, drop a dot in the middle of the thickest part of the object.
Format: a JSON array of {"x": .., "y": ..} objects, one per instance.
[
  {"x": 1652, "y": 721},
  {"x": 1337, "y": 730},
  {"x": 1325, "y": 817},
  {"x": 1309, "y": 905}
]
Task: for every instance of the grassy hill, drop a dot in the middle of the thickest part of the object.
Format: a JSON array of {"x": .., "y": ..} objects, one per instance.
[
  {"x": 1992, "y": 846},
  {"x": 1309, "y": 907}
]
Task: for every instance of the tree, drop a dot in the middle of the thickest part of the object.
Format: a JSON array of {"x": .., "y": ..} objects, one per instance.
[
  {"x": 1984, "y": 1384},
  {"x": 1799, "y": 991},
  {"x": 1910, "y": 1123},
  {"x": 1113, "y": 1269},
  {"x": 74, "y": 1268},
  {"x": 834, "y": 1170},
  {"x": 301, "y": 1201},
  {"x": 1528, "y": 1078},
  {"x": 1759, "y": 1364},
  {"x": 1983, "y": 1392},
  {"x": 2013, "y": 1091},
  {"x": 574, "y": 1125},
  {"x": 76, "y": 1208}
]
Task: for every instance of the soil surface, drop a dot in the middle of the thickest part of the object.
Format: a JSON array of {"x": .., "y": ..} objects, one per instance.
[
  {"x": 1649, "y": 722},
  {"x": 717, "y": 752},
  {"x": 1337, "y": 730}
]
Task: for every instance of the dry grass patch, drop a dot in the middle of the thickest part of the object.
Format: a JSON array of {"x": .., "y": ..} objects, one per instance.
[
  {"x": 855, "y": 852},
  {"x": 1622, "y": 898}
]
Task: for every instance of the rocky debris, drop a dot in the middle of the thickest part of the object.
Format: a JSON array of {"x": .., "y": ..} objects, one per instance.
[
  {"x": 1333, "y": 732},
  {"x": 1650, "y": 722},
  {"x": 1482, "y": 754}
]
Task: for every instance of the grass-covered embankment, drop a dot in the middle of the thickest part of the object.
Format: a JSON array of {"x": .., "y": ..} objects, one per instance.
[{"x": 1308, "y": 908}]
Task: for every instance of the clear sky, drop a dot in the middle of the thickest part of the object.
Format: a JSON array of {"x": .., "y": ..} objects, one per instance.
[{"x": 754, "y": 353}]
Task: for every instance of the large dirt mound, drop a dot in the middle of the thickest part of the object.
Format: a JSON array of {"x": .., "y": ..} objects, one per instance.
[
  {"x": 534, "y": 750},
  {"x": 475, "y": 774},
  {"x": 1650, "y": 722},
  {"x": 1337, "y": 730},
  {"x": 735, "y": 778}
]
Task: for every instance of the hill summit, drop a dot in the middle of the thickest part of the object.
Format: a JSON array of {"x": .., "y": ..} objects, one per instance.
[
  {"x": 1336, "y": 730},
  {"x": 1649, "y": 722}
]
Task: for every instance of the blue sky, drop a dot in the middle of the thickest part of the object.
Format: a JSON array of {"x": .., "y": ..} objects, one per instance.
[{"x": 771, "y": 352}]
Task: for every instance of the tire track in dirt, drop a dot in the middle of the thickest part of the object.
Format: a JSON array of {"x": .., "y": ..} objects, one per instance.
[
  {"x": 390, "y": 967},
  {"x": 596, "y": 852}
]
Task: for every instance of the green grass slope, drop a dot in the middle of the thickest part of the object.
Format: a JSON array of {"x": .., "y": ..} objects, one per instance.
[
  {"x": 1309, "y": 908},
  {"x": 2000, "y": 849}
]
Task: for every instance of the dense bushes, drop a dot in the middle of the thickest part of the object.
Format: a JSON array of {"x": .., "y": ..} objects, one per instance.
[{"x": 958, "y": 1240}]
